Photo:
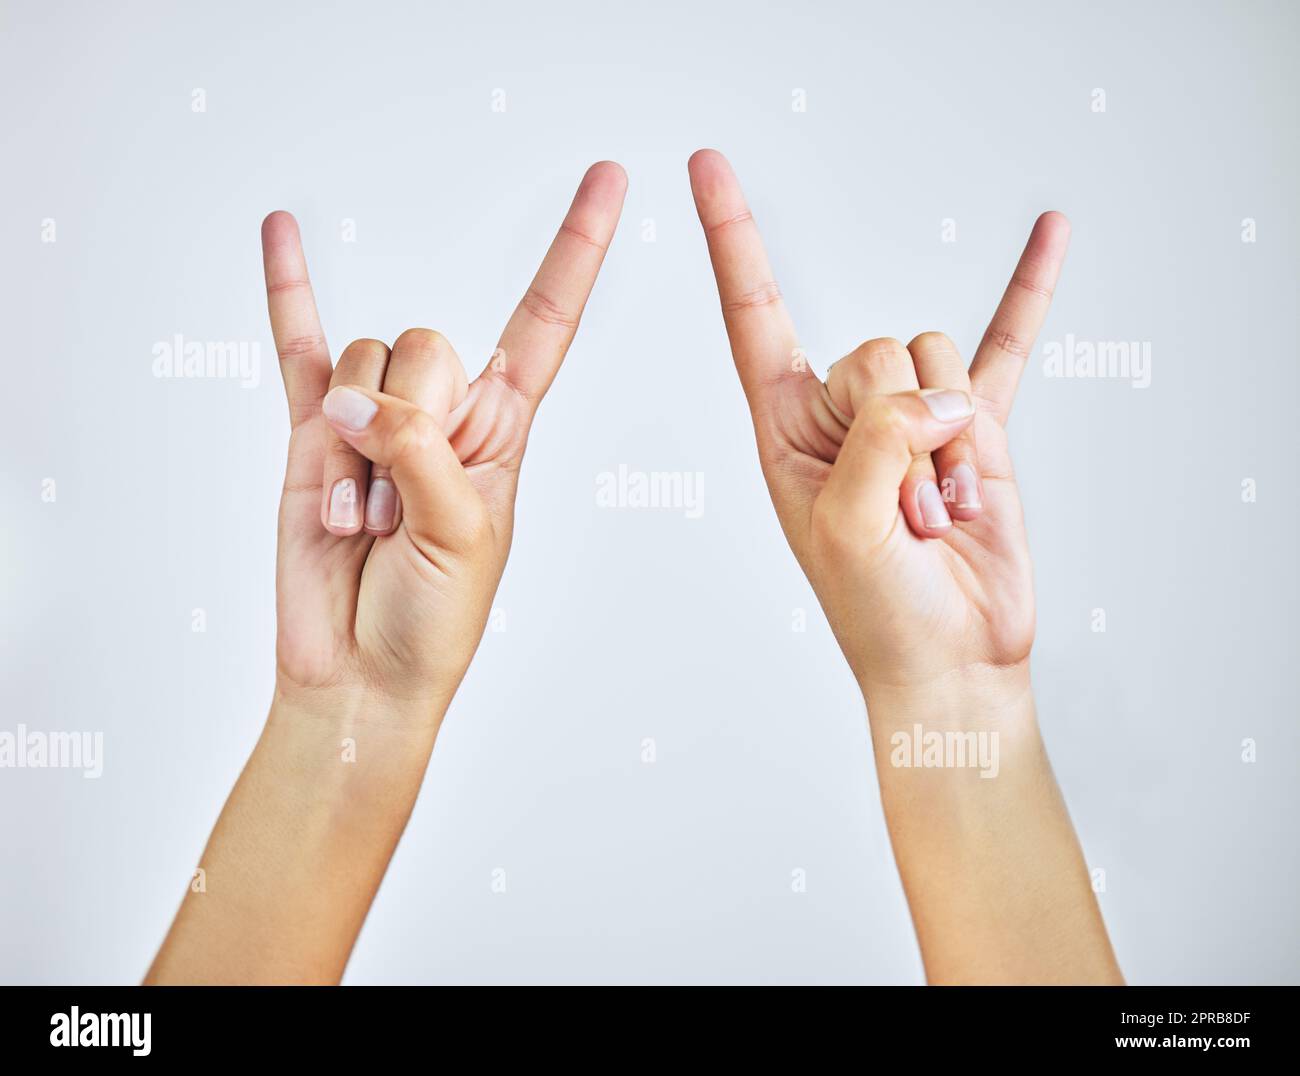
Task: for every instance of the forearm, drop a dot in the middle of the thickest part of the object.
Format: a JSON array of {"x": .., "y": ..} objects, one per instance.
[
  {"x": 996, "y": 881},
  {"x": 302, "y": 844}
]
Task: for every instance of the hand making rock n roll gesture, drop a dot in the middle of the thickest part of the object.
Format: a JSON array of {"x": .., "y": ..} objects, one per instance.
[
  {"x": 892, "y": 479},
  {"x": 893, "y": 483},
  {"x": 399, "y": 494},
  {"x": 395, "y": 524}
]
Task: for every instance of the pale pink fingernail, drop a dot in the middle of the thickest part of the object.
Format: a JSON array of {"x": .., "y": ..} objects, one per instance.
[
  {"x": 343, "y": 504},
  {"x": 966, "y": 486},
  {"x": 381, "y": 504},
  {"x": 349, "y": 408},
  {"x": 948, "y": 405},
  {"x": 929, "y": 501}
]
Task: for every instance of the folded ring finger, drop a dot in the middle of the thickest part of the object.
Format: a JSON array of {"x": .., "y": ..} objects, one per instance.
[
  {"x": 939, "y": 366},
  {"x": 883, "y": 368},
  {"x": 423, "y": 369},
  {"x": 347, "y": 472}
]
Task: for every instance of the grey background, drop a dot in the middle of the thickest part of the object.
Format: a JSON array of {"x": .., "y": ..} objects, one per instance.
[{"x": 622, "y": 624}]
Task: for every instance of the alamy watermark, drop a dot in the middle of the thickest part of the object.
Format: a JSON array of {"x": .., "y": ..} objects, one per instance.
[
  {"x": 1114, "y": 360},
  {"x": 112, "y": 1029},
  {"x": 32, "y": 749},
  {"x": 675, "y": 490},
  {"x": 216, "y": 360},
  {"x": 945, "y": 750}
]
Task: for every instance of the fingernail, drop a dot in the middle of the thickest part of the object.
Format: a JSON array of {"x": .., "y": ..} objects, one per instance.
[
  {"x": 351, "y": 409},
  {"x": 947, "y": 405},
  {"x": 966, "y": 486},
  {"x": 381, "y": 504},
  {"x": 343, "y": 503},
  {"x": 929, "y": 501}
]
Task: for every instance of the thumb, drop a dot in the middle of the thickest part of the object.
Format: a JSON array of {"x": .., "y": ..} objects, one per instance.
[
  {"x": 887, "y": 432},
  {"x": 440, "y": 507}
]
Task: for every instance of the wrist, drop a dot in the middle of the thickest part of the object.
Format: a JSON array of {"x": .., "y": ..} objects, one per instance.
[
  {"x": 976, "y": 718},
  {"x": 302, "y": 843},
  {"x": 350, "y": 745},
  {"x": 968, "y": 697},
  {"x": 352, "y": 705}
]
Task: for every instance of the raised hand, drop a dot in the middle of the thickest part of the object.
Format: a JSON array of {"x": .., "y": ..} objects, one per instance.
[
  {"x": 892, "y": 480},
  {"x": 395, "y": 523},
  {"x": 893, "y": 483},
  {"x": 399, "y": 494}
]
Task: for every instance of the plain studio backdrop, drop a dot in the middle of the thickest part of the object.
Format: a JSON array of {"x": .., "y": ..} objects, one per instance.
[{"x": 651, "y": 773}]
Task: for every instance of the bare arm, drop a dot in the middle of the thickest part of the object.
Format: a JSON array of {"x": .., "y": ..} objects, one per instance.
[
  {"x": 395, "y": 524},
  {"x": 893, "y": 483}
]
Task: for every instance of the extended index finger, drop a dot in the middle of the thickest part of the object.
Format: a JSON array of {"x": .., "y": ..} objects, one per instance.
[
  {"x": 542, "y": 327},
  {"x": 299, "y": 339},
  {"x": 763, "y": 341},
  {"x": 1009, "y": 339}
]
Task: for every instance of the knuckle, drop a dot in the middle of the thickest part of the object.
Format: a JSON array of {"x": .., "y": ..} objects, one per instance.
[
  {"x": 1030, "y": 282},
  {"x": 1003, "y": 339},
  {"x": 961, "y": 449},
  {"x": 743, "y": 217},
  {"x": 362, "y": 348},
  {"x": 582, "y": 237},
  {"x": 281, "y": 287},
  {"x": 766, "y": 294},
  {"x": 876, "y": 352},
  {"x": 414, "y": 436},
  {"x": 545, "y": 309},
  {"x": 425, "y": 340},
  {"x": 341, "y": 456},
  {"x": 985, "y": 403},
  {"x": 882, "y": 418},
  {"x": 932, "y": 340},
  {"x": 298, "y": 346},
  {"x": 851, "y": 378}
]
